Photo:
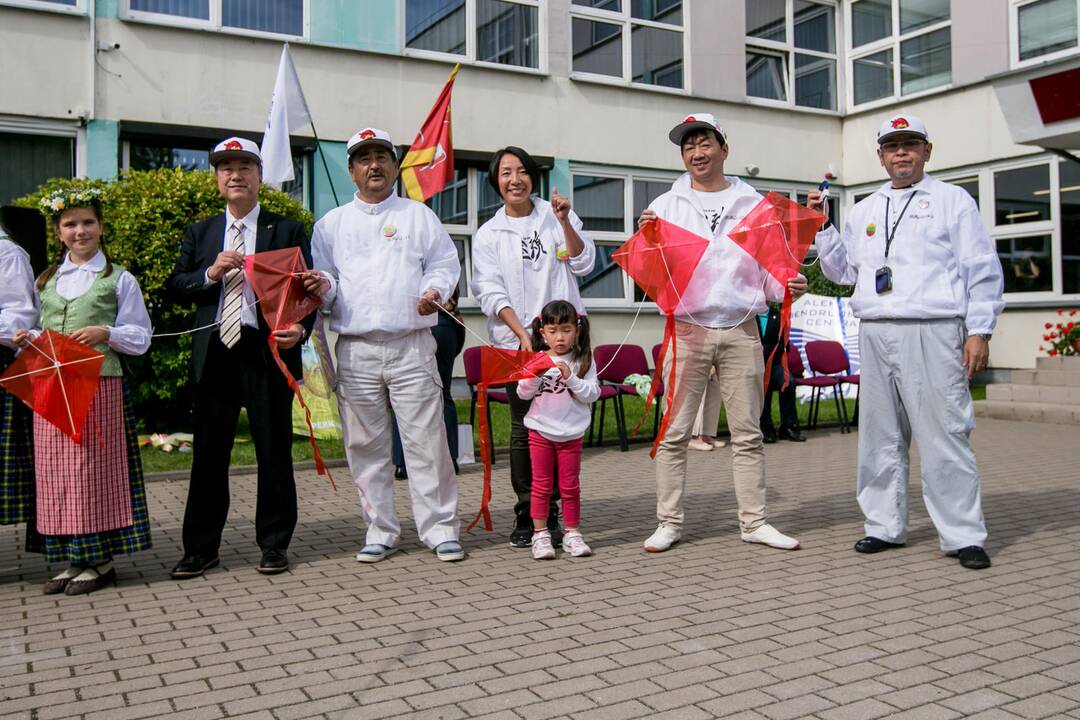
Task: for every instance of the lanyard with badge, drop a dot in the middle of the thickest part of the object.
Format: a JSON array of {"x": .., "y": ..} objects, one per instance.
[{"x": 883, "y": 275}]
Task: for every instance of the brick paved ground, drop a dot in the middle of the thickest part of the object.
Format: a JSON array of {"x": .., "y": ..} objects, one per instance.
[{"x": 713, "y": 628}]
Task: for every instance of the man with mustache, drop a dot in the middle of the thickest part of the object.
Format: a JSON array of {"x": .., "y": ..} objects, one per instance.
[
  {"x": 928, "y": 290},
  {"x": 384, "y": 264},
  {"x": 232, "y": 365}
]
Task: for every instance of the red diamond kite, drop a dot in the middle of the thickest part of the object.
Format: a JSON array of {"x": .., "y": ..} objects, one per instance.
[{"x": 57, "y": 378}]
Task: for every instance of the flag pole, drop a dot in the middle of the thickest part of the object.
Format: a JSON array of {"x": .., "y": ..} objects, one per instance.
[{"x": 326, "y": 167}]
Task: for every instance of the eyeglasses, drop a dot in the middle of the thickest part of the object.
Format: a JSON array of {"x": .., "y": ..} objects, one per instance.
[{"x": 909, "y": 145}]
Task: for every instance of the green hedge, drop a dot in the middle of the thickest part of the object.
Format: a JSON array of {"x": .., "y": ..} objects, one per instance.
[
  {"x": 821, "y": 285},
  {"x": 146, "y": 213}
]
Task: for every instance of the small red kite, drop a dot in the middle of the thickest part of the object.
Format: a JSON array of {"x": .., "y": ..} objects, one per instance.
[
  {"x": 661, "y": 258},
  {"x": 57, "y": 378},
  {"x": 777, "y": 233},
  {"x": 498, "y": 366},
  {"x": 275, "y": 277}
]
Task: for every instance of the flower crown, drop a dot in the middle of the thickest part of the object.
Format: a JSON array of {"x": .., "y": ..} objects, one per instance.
[{"x": 60, "y": 200}]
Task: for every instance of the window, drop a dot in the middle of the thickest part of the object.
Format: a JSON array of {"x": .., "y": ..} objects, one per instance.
[
  {"x": 791, "y": 52},
  {"x": 1069, "y": 194},
  {"x": 1022, "y": 195},
  {"x": 898, "y": 48},
  {"x": 275, "y": 17},
  {"x": 637, "y": 41},
  {"x": 1043, "y": 29},
  {"x": 26, "y": 161},
  {"x": 65, "y": 6},
  {"x": 502, "y": 32}
]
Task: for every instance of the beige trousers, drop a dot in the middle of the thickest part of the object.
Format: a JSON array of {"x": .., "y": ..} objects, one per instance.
[{"x": 740, "y": 368}]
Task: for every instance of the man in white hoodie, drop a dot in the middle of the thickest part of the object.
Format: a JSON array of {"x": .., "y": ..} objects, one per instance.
[{"x": 716, "y": 323}]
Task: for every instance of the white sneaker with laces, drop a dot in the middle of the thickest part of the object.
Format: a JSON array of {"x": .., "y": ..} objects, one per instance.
[
  {"x": 699, "y": 444},
  {"x": 768, "y": 535},
  {"x": 574, "y": 544},
  {"x": 662, "y": 539},
  {"x": 542, "y": 549}
]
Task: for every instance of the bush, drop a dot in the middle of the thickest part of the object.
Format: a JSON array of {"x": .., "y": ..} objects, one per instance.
[
  {"x": 821, "y": 285},
  {"x": 146, "y": 213}
]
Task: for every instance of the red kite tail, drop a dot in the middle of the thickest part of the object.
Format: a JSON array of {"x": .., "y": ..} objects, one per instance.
[
  {"x": 485, "y": 457},
  {"x": 781, "y": 345},
  {"x": 669, "y": 387},
  {"x": 320, "y": 464}
]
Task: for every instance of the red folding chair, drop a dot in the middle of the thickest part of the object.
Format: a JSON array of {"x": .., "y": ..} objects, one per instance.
[{"x": 829, "y": 363}]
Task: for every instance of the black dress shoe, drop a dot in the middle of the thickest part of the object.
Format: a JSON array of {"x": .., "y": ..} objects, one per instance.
[
  {"x": 973, "y": 557},
  {"x": 521, "y": 537},
  {"x": 768, "y": 436},
  {"x": 193, "y": 566},
  {"x": 791, "y": 434},
  {"x": 871, "y": 544},
  {"x": 273, "y": 562}
]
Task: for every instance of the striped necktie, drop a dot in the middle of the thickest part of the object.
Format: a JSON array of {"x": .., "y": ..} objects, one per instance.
[{"x": 233, "y": 305}]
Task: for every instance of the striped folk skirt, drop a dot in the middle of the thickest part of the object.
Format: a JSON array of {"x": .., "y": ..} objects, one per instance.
[
  {"x": 91, "y": 500},
  {"x": 16, "y": 456}
]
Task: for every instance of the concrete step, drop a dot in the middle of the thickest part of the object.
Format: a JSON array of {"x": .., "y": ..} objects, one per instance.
[
  {"x": 1016, "y": 392},
  {"x": 1067, "y": 363},
  {"x": 1029, "y": 411},
  {"x": 1049, "y": 377}
]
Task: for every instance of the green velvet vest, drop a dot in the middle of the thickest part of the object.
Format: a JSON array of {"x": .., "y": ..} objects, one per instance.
[{"x": 97, "y": 306}]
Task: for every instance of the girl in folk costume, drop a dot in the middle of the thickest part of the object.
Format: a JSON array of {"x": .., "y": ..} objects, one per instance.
[
  {"x": 18, "y": 312},
  {"x": 557, "y": 420},
  {"x": 91, "y": 504}
]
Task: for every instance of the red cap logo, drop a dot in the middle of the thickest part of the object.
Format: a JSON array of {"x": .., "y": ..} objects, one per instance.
[
  {"x": 899, "y": 123},
  {"x": 690, "y": 118},
  {"x": 234, "y": 145},
  {"x": 367, "y": 134}
]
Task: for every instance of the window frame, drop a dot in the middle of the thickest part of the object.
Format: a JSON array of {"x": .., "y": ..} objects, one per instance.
[
  {"x": 1015, "y": 62},
  {"x": 469, "y": 58},
  {"x": 892, "y": 42},
  {"x": 79, "y": 8},
  {"x": 787, "y": 51},
  {"x": 627, "y": 23},
  {"x": 987, "y": 210},
  {"x": 213, "y": 23}
]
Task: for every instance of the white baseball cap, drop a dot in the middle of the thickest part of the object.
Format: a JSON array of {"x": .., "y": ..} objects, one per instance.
[
  {"x": 907, "y": 124},
  {"x": 235, "y": 147},
  {"x": 695, "y": 121},
  {"x": 369, "y": 136}
]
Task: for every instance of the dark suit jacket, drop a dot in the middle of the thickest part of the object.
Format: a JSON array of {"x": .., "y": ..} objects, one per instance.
[
  {"x": 200, "y": 247},
  {"x": 769, "y": 338}
]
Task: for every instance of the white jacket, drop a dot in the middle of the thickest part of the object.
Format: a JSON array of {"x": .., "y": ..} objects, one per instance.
[
  {"x": 380, "y": 259},
  {"x": 944, "y": 264},
  {"x": 497, "y": 270},
  {"x": 561, "y": 409},
  {"x": 18, "y": 296},
  {"x": 729, "y": 286}
]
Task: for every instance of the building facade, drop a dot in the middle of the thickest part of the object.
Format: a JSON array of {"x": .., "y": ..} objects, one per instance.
[{"x": 95, "y": 87}]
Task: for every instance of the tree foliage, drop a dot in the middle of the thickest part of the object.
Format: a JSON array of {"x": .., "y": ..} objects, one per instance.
[{"x": 145, "y": 215}]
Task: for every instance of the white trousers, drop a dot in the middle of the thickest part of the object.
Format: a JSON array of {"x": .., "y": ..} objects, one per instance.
[
  {"x": 403, "y": 373},
  {"x": 913, "y": 384}
]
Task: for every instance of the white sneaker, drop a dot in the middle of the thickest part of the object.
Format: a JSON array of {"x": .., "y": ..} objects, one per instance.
[
  {"x": 717, "y": 443},
  {"x": 699, "y": 444},
  {"x": 574, "y": 544},
  {"x": 662, "y": 539},
  {"x": 542, "y": 548},
  {"x": 768, "y": 535}
]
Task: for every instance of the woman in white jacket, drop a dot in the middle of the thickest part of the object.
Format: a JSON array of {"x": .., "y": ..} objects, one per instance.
[{"x": 529, "y": 253}]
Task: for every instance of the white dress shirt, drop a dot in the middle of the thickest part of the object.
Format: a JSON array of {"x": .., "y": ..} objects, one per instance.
[
  {"x": 943, "y": 262},
  {"x": 18, "y": 296},
  {"x": 728, "y": 286},
  {"x": 380, "y": 259},
  {"x": 130, "y": 334},
  {"x": 250, "y": 224}
]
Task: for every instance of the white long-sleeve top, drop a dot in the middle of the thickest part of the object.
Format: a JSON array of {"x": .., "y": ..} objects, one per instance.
[
  {"x": 18, "y": 297},
  {"x": 944, "y": 264},
  {"x": 499, "y": 281},
  {"x": 130, "y": 334},
  {"x": 380, "y": 259},
  {"x": 561, "y": 409},
  {"x": 728, "y": 286}
]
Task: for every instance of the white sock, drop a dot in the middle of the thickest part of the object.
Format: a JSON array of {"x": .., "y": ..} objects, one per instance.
[
  {"x": 95, "y": 571},
  {"x": 69, "y": 572}
]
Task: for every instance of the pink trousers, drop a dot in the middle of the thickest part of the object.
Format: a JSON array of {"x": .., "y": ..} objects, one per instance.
[{"x": 544, "y": 454}]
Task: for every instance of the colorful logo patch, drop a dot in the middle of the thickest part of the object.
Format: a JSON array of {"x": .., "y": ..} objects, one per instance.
[
  {"x": 389, "y": 231},
  {"x": 900, "y": 123},
  {"x": 871, "y": 230},
  {"x": 367, "y": 134},
  {"x": 234, "y": 145},
  {"x": 690, "y": 118},
  {"x": 562, "y": 254}
]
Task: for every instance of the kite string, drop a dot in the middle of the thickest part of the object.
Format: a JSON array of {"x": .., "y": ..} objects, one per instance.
[
  {"x": 690, "y": 315},
  {"x": 202, "y": 327}
]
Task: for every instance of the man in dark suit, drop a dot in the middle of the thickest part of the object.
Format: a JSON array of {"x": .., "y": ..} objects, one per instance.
[
  {"x": 769, "y": 329},
  {"x": 232, "y": 365}
]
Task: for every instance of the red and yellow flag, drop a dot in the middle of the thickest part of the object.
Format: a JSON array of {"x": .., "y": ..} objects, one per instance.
[{"x": 429, "y": 164}]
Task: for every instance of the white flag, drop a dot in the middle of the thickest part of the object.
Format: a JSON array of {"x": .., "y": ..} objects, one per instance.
[{"x": 288, "y": 112}]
